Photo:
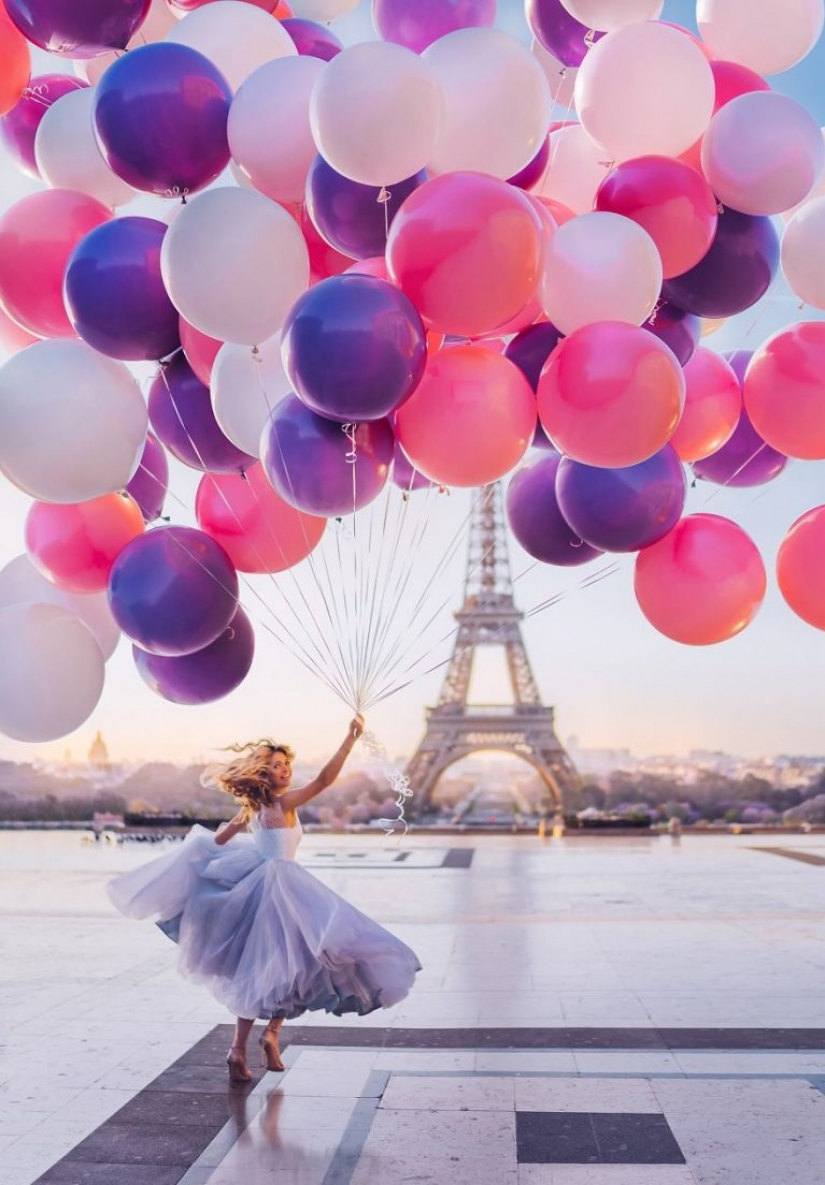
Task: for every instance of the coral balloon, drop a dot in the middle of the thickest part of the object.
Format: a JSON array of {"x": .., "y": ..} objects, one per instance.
[
  {"x": 181, "y": 414},
  {"x": 471, "y": 395},
  {"x": 15, "y": 63},
  {"x": 68, "y": 155},
  {"x": 784, "y": 390},
  {"x": 800, "y": 567},
  {"x": 803, "y": 253},
  {"x": 713, "y": 405},
  {"x": 206, "y": 675},
  {"x": 611, "y": 395},
  {"x": 257, "y": 529},
  {"x": 535, "y": 518},
  {"x": 467, "y": 249},
  {"x": 150, "y": 483},
  {"x": 22, "y": 584},
  {"x": 418, "y": 25},
  {"x": 736, "y": 272},
  {"x": 75, "y": 546},
  {"x": 236, "y": 37},
  {"x": 768, "y": 36},
  {"x": 19, "y": 127},
  {"x": 245, "y": 389},
  {"x": 680, "y": 331},
  {"x": 200, "y": 349},
  {"x": 701, "y": 584},
  {"x": 78, "y": 30}
]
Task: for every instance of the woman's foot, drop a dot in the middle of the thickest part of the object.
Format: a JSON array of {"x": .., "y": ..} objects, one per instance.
[
  {"x": 236, "y": 1061},
  {"x": 270, "y": 1047}
]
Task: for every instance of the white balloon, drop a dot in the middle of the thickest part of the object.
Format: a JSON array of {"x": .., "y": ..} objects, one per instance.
[
  {"x": 375, "y": 113},
  {"x": 72, "y": 422},
  {"x": 768, "y": 36},
  {"x": 272, "y": 108},
  {"x": 498, "y": 105},
  {"x": 575, "y": 170},
  {"x": 234, "y": 263},
  {"x": 246, "y": 388},
  {"x": 322, "y": 10},
  {"x": 803, "y": 253},
  {"x": 605, "y": 15},
  {"x": 67, "y": 153},
  {"x": 818, "y": 191},
  {"x": 236, "y": 37},
  {"x": 159, "y": 21},
  {"x": 561, "y": 78},
  {"x": 52, "y": 672},
  {"x": 22, "y": 584}
]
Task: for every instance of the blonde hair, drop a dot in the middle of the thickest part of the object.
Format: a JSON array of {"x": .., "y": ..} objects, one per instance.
[{"x": 247, "y": 777}]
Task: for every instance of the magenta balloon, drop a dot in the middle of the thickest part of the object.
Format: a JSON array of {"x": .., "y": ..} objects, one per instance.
[
  {"x": 417, "y": 25},
  {"x": 558, "y": 31},
  {"x": 313, "y": 40},
  {"x": 313, "y": 465},
  {"x": 160, "y": 116},
  {"x": 173, "y": 590},
  {"x": 206, "y": 675},
  {"x": 533, "y": 171},
  {"x": 18, "y": 127},
  {"x": 180, "y": 411},
  {"x": 677, "y": 329},
  {"x": 623, "y": 509},
  {"x": 536, "y": 519},
  {"x": 736, "y": 272},
  {"x": 150, "y": 484},
  {"x": 78, "y": 28}
]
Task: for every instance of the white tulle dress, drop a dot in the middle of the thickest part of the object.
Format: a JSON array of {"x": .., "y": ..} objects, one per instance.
[{"x": 261, "y": 932}]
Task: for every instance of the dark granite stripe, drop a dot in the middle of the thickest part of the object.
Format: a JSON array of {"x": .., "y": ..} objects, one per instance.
[
  {"x": 458, "y": 858},
  {"x": 569, "y": 1137},
  {"x": 793, "y": 854}
]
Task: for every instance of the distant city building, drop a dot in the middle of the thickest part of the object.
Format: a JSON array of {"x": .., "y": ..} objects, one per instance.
[{"x": 98, "y": 753}]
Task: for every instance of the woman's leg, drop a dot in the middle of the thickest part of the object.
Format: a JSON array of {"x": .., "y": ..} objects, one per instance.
[
  {"x": 243, "y": 1028},
  {"x": 270, "y": 1045},
  {"x": 236, "y": 1058}
]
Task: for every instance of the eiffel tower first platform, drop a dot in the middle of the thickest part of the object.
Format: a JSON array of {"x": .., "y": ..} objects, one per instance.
[{"x": 489, "y": 617}]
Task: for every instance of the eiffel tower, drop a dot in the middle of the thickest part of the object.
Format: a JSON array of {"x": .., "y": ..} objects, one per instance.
[{"x": 489, "y": 617}]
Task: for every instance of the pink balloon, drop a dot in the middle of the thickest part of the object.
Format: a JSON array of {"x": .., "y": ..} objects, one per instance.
[
  {"x": 733, "y": 80},
  {"x": 701, "y": 584},
  {"x": 37, "y": 236},
  {"x": 200, "y": 350},
  {"x": 610, "y": 394},
  {"x": 784, "y": 391},
  {"x": 713, "y": 404},
  {"x": 12, "y": 336},
  {"x": 75, "y": 544},
  {"x": 800, "y": 567},
  {"x": 469, "y": 420}
]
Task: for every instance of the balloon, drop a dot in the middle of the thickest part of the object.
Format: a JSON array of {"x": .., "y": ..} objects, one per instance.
[
  {"x": 610, "y": 395},
  {"x": 12, "y": 336},
  {"x": 181, "y": 7},
  {"x": 272, "y": 107},
  {"x": 712, "y": 325},
  {"x": 497, "y": 103},
  {"x": 72, "y": 422},
  {"x": 312, "y": 39},
  {"x": 21, "y": 583},
  {"x": 321, "y": 10},
  {"x": 818, "y": 191},
  {"x": 160, "y": 119},
  {"x": 235, "y": 37},
  {"x": 622, "y": 509},
  {"x": 150, "y": 483},
  {"x": 643, "y": 89},
  {"x": 15, "y": 63},
  {"x": 354, "y": 348},
  {"x": 607, "y": 15},
  {"x": 75, "y": 29},
  {"x": 317, "y": 467},
  {"x": 563, "y": 36},
  {"x": 763, "y": 153},
  {"x": 180, "y": 411},
  {"x": 600, "y": 267},
  {"x": 75, "y": 546},
  {"x": 206, "y": 675},
  {"x": 234, "y": 263},
  {"x": 114, "y": 293},
  {"x": 732, "y": 80},
  {"x": 257, "y": 529},
  {"x": 200, "y": 349},
  {"x": 159, "y": 21},
  {"x": 534, "y": 170},
  {"x": 531, "y": 348},
  {"x": 784, "y": 392},
  {"x": 18, "y": 128},
  {"x": 668, "y": 199},
  {"x": 52, "y": 672},
  {"x": 473, "y": 396},
  {"x": 448, "y": 251},
  {"x": 376, "y": 113},
  {"x": 405, "y": 475},
  {"x": 535, "y": 518},
  {"x": 562, "y": 79},
  {"x": 745, "y": 460},
  {"x": 245, "y": 388},
  {"x": 324, "y": 261},
  {"x": 353, "y": 218},
  {"x": 736, "y": 272},
  {"x": 576, "y": 169},
  {"x": 701, "y": 584},
  {"x": 67, "y": 153},
  {"x": 768, "y": 36},
  {"x": 713, "y": 405},
  {"x": 800, "y": 570},
  {"x": 677, "y": 329},
  {"x": 803, "y": 253},
  {"x": 419, "y": 25}
]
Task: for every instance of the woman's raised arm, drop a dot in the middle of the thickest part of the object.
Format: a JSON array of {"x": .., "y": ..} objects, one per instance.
[{"x": 291, "y": 799}]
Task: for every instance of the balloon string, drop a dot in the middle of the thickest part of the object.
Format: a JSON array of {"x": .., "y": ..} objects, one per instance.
[
  {"x": 384, "y": 197},
  {"x": 399, "y": 783}
]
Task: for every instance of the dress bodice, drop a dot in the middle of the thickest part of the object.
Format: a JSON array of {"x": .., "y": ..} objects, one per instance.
[{"x": 272, "y": 837}]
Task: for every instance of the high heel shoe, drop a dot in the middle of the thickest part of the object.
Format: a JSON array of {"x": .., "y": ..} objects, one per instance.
[
  {"x": 271, "y": 1051},
  {"x": 238, "y": 1069}
]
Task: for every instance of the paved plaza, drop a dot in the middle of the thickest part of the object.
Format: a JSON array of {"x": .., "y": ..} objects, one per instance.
[{"x": 602, "y": 1011}]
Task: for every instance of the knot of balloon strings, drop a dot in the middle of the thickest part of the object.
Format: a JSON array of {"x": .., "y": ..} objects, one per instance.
[
  {"x": 399, "y": 784},
  {"x": 349, "y": 431}
]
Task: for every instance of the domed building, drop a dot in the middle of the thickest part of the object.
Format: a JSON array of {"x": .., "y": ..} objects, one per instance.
[{"x": 98, "y": 753}]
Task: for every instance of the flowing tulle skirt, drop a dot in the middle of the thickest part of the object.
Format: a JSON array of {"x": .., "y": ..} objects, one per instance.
[{"x": 264, "y": 935}]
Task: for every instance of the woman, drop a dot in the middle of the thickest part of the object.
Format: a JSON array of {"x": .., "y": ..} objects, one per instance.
[{"x": 266, "y": 937}]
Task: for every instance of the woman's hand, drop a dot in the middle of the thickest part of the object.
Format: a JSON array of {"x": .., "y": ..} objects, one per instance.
[{"x": 356, "y": 726}]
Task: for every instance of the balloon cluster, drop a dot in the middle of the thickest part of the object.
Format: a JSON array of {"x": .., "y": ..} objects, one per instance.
[{"x": 411, "y": 270}]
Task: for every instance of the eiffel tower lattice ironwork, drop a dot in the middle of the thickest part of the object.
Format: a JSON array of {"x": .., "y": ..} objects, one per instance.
[{"x": 456, "y": 728}]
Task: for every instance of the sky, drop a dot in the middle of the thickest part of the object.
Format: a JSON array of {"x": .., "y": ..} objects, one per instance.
[{"x": 614, "y": 681}]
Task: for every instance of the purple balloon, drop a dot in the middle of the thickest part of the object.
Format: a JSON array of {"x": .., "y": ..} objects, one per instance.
[
  {"x": 535, "y": 518},
  {"x": 78, "y": 28},
  {"x": 18, "y": 127},
  {"x": 180, "y": 410},
  {"x": 405, "y": 475},
  {"x": 206, "y": 675},
  {"x": 623, "y": 509},
  {"x": 679, "y": 330},
  {"x": 354, "y": 347},
  {"x": 150, "y": 484},
  {"x": 349, "y": 215},
  {"x": 558, "y": 31},
  {"x": 173, "y": 590},
  {"x": 531, "y": 348},
  {"x": 114, "y": 294},
  {"x": 312, "y": 463},
  {"x": 744, "y": 460},
  {"x": 417, "y": 25},
  {"x": 533, "y": 171},
  {"x": 736, "y": 272},
  {"x": 160, "y": 116},
  {"x": 313, "y": 40}
]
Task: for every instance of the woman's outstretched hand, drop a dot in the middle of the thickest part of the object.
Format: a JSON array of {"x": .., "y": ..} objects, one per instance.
[{"x": 357, "y": 725}]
